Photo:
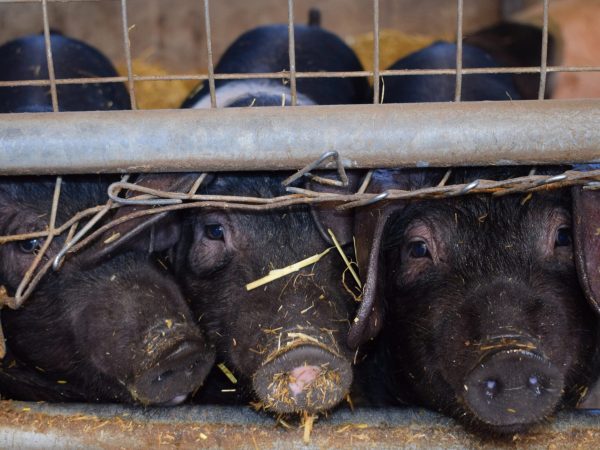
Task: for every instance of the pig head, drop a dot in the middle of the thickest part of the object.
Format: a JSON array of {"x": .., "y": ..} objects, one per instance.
[
  {"x": 119, "y": 330},
  {"x": 284, "y": 340},
  {"x": 484, "y": 317}
]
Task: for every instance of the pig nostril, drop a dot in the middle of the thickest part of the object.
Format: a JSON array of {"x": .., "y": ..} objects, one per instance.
[
  {"x": 534, "y": 384},
  {"x": 163, "y": 376},
  {"x": 190, "y": 369},
  {"x": 492, "y": 388}
]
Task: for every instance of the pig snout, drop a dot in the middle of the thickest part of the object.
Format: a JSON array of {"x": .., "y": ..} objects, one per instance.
[
  {"x": 512, "y": 385},
  {"x": 173, "y": 372},
  {"x": 303, "y": 376}
]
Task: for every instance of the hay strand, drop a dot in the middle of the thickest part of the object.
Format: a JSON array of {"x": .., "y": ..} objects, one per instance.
[
  {"x": 227, "y": 372},
  {"x": 278, "y": 273},
  {"x": 344, "y": 257}
]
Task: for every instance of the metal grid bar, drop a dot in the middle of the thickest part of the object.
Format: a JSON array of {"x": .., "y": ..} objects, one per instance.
[
  {"x": 544, "y": 62},
  {"x": 368, "y": 136},
  {"x": 292, "y": 52},
  {"x": 49, "y": 59},
  {"x": 277, "y": 75},
  {"x": 376, "y": 77},
  {"x": 459, "y": 49},
  {"x": 127, "y": 49},
  {"x": 209, "y": 55}
]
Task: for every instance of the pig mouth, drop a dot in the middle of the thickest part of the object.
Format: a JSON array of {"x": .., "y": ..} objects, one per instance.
[
  {"x": 175, "y": 373},
  {"x": 512, "y": 388},
  {"x": 306, "y": 378}
]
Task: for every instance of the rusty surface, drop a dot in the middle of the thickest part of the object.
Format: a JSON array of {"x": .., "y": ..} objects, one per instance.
[
  {"x": 27, "y": 425},
  {"x": 275, "y": 138}
]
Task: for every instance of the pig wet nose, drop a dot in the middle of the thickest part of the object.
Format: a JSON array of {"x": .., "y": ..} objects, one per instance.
[
  {"x": 176, "y": 373},
  {"x": 301, "y": 377},
  {"x": 512, "y": 388},
  {"x": 305, "y": 378}
]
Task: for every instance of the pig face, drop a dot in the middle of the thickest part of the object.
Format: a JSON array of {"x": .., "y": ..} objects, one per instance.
[
  {"x": 284, "y": 338},
  {"x": 133, "y": 339},
  {"x": 118, "y": 331},
  {"x": 485, "y": 319}
]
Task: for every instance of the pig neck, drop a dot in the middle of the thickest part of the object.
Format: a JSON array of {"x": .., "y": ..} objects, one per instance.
[{"x": 22, "y": 382}]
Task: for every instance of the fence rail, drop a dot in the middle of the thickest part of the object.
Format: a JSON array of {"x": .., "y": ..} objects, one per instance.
[{"x": 275, "y": 138}]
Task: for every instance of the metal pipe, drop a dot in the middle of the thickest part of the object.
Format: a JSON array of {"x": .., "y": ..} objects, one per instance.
[{"x": 421, "y": 135}]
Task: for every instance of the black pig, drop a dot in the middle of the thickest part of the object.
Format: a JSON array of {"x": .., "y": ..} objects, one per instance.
[
  {"x": 285, "y": 340},
  {"x": 265, "y": 50},
  {"x": 482, "y": 315},
  {"x": 440, "y": 88},
  {"x": 117, "y": 331},
  {"x": 25, "y": 59},
  {"x": 485, "y": 319}
]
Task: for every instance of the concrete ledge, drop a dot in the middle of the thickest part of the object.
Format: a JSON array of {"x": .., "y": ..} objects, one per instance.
[{"x": 73, "y": 426}]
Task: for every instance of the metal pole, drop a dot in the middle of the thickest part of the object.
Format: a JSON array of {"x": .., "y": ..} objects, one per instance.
[{"x": 421, "y": 135}]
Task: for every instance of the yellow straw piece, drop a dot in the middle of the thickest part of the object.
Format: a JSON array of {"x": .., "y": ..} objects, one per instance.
[
  {"x": 113, "y": 237},
  {"x": 278, "y": 273},
  {"x": 227, "y": 373},
  {"x": 343, "y": 255}
]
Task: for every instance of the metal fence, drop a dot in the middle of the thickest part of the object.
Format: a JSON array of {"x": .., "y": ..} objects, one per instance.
[{"x": 360, "y": 136}]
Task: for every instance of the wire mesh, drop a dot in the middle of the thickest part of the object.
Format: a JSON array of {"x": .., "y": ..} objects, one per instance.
[{"x": 292, "y": 74}]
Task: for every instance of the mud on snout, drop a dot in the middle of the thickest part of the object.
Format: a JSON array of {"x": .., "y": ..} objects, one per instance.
[
  {"x": 175, "y": 364},
  {"x": 305, "y": 372}
]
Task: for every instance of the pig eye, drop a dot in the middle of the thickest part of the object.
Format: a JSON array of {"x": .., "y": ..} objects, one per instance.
[
  {"x": 30, "y": 245},
  {"x": 563, "y": 237},
  {"x": 418, "y": 249},
  {"x": 214, "y": 231}
]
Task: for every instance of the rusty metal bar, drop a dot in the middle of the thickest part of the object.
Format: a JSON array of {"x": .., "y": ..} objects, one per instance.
[
  {"x": 459, "y": 49},
  {"x": 376, "y": 79},
  {"x": 285, "y": 74},
  {"x": 127, "y": 49},
  {"x": 292, "y": 52},
  {"x": 421, "y": 135},
  {"x": 209, "y": 55},
  {"x": 49, "y": 59},
  {"x": 544, "y": 62}
]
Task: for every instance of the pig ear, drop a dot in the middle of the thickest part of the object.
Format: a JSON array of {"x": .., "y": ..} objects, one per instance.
[
  {"x": 370, "y": 225},
  {"x": 369, "y": 317},
  {"x": 156, "y": 232},
  {"x": 586, "y": 223},
  {"x": 341, "y": 223}
]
